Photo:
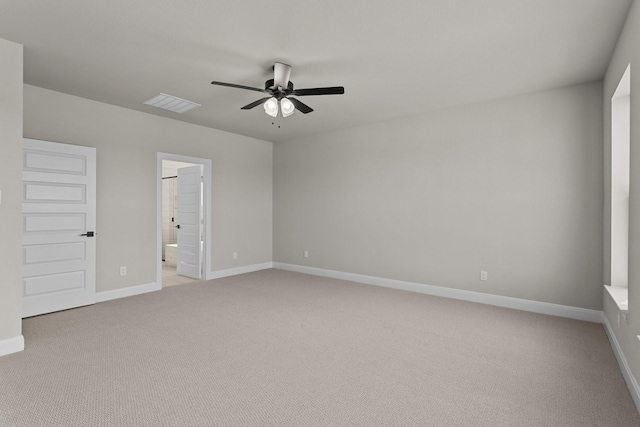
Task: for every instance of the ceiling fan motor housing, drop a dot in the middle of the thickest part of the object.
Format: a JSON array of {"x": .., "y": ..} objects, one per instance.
[{"x": 279, "y": 94}]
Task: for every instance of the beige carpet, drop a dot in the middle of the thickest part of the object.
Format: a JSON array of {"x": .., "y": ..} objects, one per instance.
[
  {"x": 276, "y": 348},
  {"x": 170, "y": 277}
]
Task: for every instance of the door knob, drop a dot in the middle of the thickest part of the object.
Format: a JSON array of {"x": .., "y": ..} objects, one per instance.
[
  {"x": 178, "y": 226},
  {"x": 88, "y": 234}
]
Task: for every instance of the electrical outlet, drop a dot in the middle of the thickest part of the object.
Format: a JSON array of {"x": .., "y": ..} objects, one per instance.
[
  {"x": 305, "y": 254},
  {"x": 235, "y": 255},
  {"x": 123, "y": 271},
  {"x": 484, "y": 276}
]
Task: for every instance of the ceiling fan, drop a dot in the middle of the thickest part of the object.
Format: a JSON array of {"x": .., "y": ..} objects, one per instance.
[{"x": 281, "y": 91}]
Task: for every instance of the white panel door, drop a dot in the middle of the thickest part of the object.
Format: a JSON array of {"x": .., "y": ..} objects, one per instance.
[
  {"x": 58, "y": 226},
  {"x": 188, "y": 236}
]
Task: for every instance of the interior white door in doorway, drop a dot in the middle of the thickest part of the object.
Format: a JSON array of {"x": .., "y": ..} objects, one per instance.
[
  {"x": 189, "y": 221},
  {"x": 59, "y": 219}
]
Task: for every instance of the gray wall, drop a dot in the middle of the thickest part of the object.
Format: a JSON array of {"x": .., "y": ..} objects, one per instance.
[
  {"x": 127, "y": 144},
  {"x": 627, "y": 52},
  {"x": 513, "y": 187},
  {"x": 11, "y": 187}
]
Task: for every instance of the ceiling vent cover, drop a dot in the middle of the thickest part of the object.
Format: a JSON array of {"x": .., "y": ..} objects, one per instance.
[{"x": 171, "y": 103}]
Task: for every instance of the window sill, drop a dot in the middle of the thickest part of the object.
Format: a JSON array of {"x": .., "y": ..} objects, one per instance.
[{"x": 620, "y": 296}]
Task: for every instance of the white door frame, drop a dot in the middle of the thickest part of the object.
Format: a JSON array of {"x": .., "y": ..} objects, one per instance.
[{"x": 206, "y": 190}]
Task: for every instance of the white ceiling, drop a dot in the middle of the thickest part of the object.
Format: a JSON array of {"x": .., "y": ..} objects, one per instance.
[{"x": 393, "y": 58}]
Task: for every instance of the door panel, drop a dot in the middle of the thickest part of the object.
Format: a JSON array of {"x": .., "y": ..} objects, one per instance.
[
  {"x": 189, "y": 204},
  {"x": 59, "y": 204},
  {"x": 44, "y": 161},
  {"x": 34, "y": 254},
  {"x": 53, "y": 193},
  {"x": 54, "y": 283},
  {"x": 51, "y": 223}
]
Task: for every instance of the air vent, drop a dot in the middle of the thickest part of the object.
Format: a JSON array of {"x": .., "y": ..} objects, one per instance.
[{"x": 171, "y": 103}]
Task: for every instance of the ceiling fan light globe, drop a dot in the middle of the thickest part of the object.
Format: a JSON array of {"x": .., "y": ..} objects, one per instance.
[
  {"x": 287, "y": 107},
  {"x": 271, "y": 107}
]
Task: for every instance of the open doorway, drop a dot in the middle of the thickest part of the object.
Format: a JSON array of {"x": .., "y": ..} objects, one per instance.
[{"x": 183, "y": 206}]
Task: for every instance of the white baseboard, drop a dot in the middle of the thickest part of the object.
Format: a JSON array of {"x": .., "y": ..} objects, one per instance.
[
  {"x": 11, "y": 345},
  {"x": 126, "y": 292},
  {"x": 498, "y": 300},
  {"x": 150, "y": 287},
  {"x": 238, "y": 270},
  {"x": 632, "y": 384}
]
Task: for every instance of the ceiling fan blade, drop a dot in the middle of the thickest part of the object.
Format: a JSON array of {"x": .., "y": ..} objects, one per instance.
[
  {"x": 281, "y": 74},
  {"x": 239, "y": 86},
  {"x": 335, "y": 90},
  {"x": 255, "y": 103},
  {"x": 303, "y": 108}
]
